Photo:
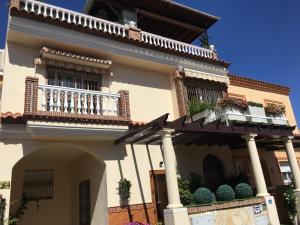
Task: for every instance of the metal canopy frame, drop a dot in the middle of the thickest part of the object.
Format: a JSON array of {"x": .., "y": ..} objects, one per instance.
[{"x": 195, "y": 133}]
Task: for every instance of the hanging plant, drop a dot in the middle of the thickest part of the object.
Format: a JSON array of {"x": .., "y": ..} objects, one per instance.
[
  {"x": 124, "y": 189},
  {"x": 255, "y": 104},
  {"x": 275, "y": 109},
  {"x": 230, "y": 102}
]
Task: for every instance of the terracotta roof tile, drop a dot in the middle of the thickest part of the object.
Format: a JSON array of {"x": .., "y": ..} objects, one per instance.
[{"x": 75, "y": 56}]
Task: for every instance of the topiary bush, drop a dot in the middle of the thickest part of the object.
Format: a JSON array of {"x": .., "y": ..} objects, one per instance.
[
  {"x": 243, "y": 190},
  {"x": 225, "y": 193},
  {"x": 203, "y": 196},
  {"x": 186, "y": 197}
]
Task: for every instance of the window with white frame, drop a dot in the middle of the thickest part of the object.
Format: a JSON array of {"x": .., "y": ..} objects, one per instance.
[
  {"x": 73, "y": 79},
  {"x": 286, "y": 172}
]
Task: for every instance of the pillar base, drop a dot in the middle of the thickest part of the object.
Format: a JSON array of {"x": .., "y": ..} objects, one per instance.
[
  {"x": 272, "y": 210},
  {"x": 177, "y": 216},
  {"x": 173, "y": 206},
  {"x": 262, "y": 195}
]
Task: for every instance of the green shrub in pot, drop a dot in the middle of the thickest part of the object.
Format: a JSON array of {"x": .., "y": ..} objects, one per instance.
[
  {"x": 225, "y": 193},
  {"x": 243, "y": 190},
  {"x": 196, "y": 106},
  {"x": 203, "y": 196}
]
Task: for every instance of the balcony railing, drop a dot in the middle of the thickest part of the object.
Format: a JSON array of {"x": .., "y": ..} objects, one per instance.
[
  {"x": 228, "y": 115},
  {"x": 109, "y": 27},
  {"x": 168, "y": 43},
  {"x": 79, "y": 101},
  {"x": 72, "y": 103}
]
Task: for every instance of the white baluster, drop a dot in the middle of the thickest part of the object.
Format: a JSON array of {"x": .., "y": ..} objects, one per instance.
[
  {"x": 57, "y": 14},
  {"x": 45, "y": 11},
  {"x": 79, "y": 20},
  {"x": 104, "y": 27},
  {"x": 63, "y": 18},
  {"x": 43, "y": 99},
  {"x": 72, "y": 105},
  {"x": 32, "y": 6},
  {"x": 66, "y": 102},
  {"x": 39, "y": 10},
  {"x": 78, "y": 103},
  {"x": 115, "y": 106},
  {"x": 26, "y": 6},
  {"x": 95, "y": 25},
  {"x": 98, "y": 104},
  {"x": 100, "y": 25},
  {"x": 85, "y": 22},
  {"x": 51, "y": 12},
  {"x": 104, "y": 105},
  {"x": 74, "y": 19},
  {"x": 69, "y": 18},
  {"x": 91, "y": 24},
  {"x": 119, "y": 30},
  {"x": 108, "y": 106},
  {"x": 85, "y": 100},
  {"x": 51, "y": 103},
  {"x": 92, "y": 103},
  {"x": 109, "y": 28},
  {"x": 124, "y": 32},
  {"x": 58, "y": 101}
]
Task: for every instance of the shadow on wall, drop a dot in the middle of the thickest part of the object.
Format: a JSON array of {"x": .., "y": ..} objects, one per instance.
[{"x": 64, "y": 201}]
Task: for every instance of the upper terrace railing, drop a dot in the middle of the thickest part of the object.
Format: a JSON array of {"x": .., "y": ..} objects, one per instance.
[
  {"x": 105, "y": 26},
  {"x": 157, "y": 40}
]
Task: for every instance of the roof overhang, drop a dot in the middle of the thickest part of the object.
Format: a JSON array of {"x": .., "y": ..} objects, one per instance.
[{"x": 157, "y": 16}]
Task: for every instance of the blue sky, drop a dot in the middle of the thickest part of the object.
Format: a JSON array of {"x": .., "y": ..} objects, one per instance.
[{"x": 260, "y": 38}]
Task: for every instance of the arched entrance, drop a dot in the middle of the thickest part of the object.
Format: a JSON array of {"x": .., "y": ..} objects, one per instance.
[
  {"x": 213, "y": 172},
  {"x": 59, "y": 184}
]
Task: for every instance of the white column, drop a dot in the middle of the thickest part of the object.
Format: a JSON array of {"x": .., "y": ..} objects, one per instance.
[
  {"x": 170, "y": 167},
  {"x": 256, "y": 166},
  {"x": 293, "y": 161}
]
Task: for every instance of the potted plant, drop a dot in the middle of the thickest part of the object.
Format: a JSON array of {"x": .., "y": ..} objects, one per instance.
[
  {"x": 124, "y": 189},
  {"x": 234, "y": 109},
  {"x": 257, "y": 111},
  {"x": 277, "y": 113},
  {"x": 201, "y": 110}
]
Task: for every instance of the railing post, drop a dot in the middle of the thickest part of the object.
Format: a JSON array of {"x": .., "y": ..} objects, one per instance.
[
  {"x": 31, "y": 95},
  {"x": 134, "y": 33},
  {"x": 15, "y": 4},
  {"x": 124, "y": 106}
]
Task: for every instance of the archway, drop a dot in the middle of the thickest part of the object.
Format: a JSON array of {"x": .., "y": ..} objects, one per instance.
[
  {"x": 59, "y": 184},
  {"x": 213, "y": 172}
]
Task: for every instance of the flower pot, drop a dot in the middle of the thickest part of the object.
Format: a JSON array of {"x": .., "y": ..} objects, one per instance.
[
  {"x": 233, "y": 114},
  {"x": 208, "y": 116},
  {"x": 277, "y": 120},
  {"x": 257, "y": 112}
]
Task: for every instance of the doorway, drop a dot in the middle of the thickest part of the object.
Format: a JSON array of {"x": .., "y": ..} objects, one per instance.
[
  {"x": 159, "y": 193},
  {"x": 84, "y": 203},
  {"x": 213, "y": 172}
]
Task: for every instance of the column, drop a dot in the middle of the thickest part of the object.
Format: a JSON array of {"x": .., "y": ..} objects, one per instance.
[
  {"x": 170, "y": 167},
  {"x": 294, "y": 168},
  {"x": 175, "y": 214},
  {"x": 256, "y": 166},
  {"x": 293, "y": 161}
]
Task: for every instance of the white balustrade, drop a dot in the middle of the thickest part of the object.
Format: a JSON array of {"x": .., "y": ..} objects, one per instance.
[
  {"x": 72, "y": 100},
  {"x": 72, "y": 17},
  {"x": 164, "y": 42}
]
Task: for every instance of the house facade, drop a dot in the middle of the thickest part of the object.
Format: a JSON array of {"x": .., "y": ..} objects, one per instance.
[{"x": 91, "y": 99}]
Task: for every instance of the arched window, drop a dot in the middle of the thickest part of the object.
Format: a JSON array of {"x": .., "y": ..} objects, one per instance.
[{"x": 213, "y": 172}]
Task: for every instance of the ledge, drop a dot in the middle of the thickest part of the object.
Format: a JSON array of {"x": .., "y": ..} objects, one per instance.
[{"x": 225, "y": 205}]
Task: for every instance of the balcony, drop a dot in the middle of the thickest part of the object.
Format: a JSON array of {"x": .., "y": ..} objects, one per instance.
[
  {"x": 91, "y": 23},
  {"x": 253, "y": 114},
  {"x": 63, "y": 103}
]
